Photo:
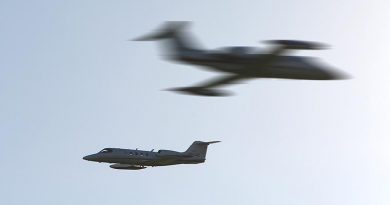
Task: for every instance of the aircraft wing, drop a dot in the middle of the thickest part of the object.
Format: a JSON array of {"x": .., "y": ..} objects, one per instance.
[
  {"x": 284, "y": 46},
  {"x": 207, "y": 88},
  {"x": 127, "y": 166},
  {"x": 297, "y": 45}
]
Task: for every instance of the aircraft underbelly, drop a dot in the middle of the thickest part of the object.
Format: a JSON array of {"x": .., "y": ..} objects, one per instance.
[
  {"x": 290, "y": 67},
  {"x": 146, "y": 162},
  {"x": 158, "y": 162}
]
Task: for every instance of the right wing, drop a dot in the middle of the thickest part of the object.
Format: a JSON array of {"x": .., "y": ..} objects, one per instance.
[
  {"x": 285, "y": 46},
  {"x": 297, "y": 45}
]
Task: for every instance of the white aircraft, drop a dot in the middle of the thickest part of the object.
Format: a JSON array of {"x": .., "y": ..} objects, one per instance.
[{"x": 138, "y": 159}]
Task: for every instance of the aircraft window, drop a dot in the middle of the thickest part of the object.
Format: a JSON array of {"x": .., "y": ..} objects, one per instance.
[
  {"x": 142, "y": 154},
  {"x": 131, "y": 153},
  {"x": 106, "y": 151}
]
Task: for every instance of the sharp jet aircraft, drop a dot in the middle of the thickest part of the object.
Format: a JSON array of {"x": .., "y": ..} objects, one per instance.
[
  {"x": 241, "y": 63},
  {"x": 138, "y": 159}
]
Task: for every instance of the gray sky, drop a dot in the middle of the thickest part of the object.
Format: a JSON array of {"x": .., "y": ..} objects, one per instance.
[{"x": 71, "y": 84}]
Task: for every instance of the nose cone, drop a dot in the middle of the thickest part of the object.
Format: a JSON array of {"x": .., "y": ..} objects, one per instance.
[
  {"x": 335, "y": 75},
  {"x": 91, "y": 157}
]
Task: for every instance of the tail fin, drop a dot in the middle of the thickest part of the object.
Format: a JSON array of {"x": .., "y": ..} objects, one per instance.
[
  {"x": 168, "y": 30},
  {"x": 199, "y": 149},
  {"x": 179, "y": 41}
]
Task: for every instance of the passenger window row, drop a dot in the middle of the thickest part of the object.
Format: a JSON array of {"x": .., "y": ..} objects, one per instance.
[{"x": 141, "y": 153}]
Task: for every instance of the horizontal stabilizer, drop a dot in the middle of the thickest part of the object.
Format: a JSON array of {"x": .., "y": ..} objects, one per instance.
[{"x": 212, "y": 142}]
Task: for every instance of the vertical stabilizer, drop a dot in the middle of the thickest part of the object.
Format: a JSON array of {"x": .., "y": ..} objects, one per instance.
[
  {"x": 199, "y": 149},
  {"x": 179, "y": 41}
]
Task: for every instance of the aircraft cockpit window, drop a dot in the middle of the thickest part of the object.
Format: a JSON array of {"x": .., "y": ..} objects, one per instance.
[{"x": 106, "y": 151}]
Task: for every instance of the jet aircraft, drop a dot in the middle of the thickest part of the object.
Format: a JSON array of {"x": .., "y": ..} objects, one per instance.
[
  {"x": 138, "y": 159},
  {"x": 241, "y": 63}
]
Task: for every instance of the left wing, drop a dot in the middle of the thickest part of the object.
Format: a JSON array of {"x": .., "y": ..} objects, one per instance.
[{"x": 207, "y": 88}]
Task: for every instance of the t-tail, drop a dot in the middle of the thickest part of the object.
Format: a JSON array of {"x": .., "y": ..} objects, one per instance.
[
  {"x": 179, "y": 42},
  {"x": 199, "y": 149},
  {"x": 169, "y": 29}
]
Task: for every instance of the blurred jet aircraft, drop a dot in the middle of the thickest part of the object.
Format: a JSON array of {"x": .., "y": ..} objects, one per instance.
[
  {"x": 138, "y": 159},
  {"x": 241, "y": 63}
]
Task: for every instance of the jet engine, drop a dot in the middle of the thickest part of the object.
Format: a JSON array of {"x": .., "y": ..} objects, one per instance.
[
  {"x": 168, "y": 152},
  {"x": 171, "y": 154}
]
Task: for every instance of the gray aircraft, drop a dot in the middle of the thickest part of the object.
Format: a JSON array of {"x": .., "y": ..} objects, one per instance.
[
  {"x": 138, "y": 159},
  {"x": 241, "y": 63}
]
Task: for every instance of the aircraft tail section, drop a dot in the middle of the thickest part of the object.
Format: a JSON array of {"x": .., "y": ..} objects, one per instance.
[
  {"x": 168, "y": 30},
  {"x": 199, "y": 149},
  {"x": 174, "y": 31}
]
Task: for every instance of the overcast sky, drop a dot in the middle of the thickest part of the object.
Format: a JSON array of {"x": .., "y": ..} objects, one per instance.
[{"x": 71, "y": 84}]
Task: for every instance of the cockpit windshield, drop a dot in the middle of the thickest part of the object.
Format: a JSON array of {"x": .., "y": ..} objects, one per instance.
[{"x": 106, "y": 150}]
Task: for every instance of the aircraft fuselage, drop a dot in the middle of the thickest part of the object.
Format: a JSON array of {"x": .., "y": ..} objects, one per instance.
[
  {"x": 260, "y": 65},
  {"x": 139, "y": 157}
]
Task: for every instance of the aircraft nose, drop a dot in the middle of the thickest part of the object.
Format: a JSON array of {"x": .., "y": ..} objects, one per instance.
[
  {"x": 331, "y": 74},
  {"x": 337, "y": 76},
  {"x": 89, "y": 158}
]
